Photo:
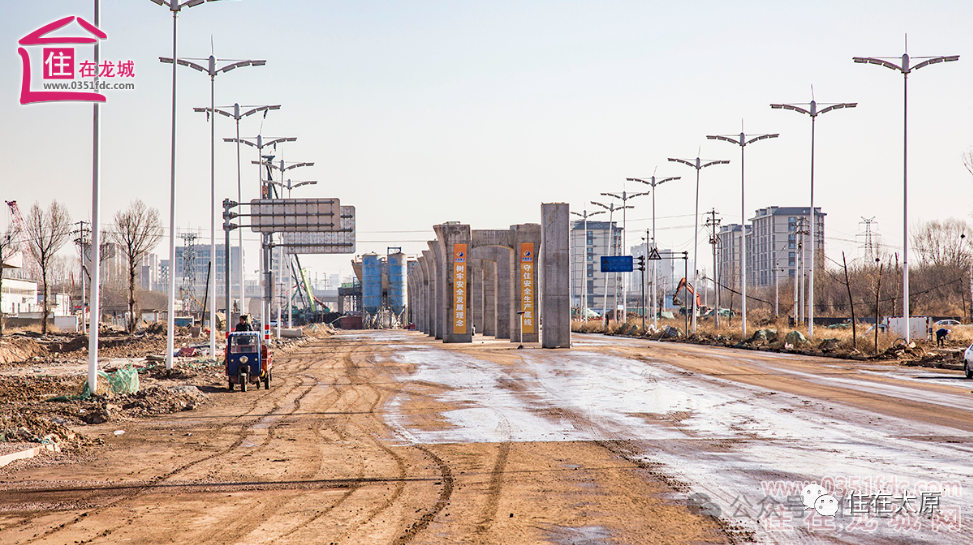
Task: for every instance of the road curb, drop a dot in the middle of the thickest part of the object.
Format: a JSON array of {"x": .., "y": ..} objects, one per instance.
[{"x": 29, "y": 453}]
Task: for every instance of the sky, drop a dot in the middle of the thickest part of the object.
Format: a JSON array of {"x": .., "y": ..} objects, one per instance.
[{"x": 423, "y": 112}]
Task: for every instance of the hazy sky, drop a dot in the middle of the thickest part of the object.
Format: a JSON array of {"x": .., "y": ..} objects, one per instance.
[{"x": 423, "y": 112}]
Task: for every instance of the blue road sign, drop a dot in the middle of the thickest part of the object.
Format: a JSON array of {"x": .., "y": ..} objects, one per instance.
[{"x": 620, "y": 263}]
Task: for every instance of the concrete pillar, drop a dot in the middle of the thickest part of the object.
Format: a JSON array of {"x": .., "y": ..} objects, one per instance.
[
  {"x": 526, "y": 243},
  {"x": 415, "y": 294},
  {"x": 489, "y": 269},
  {"x": 476, "y": 296},
  {"x": 428, "y": 293},
  {"x": 455, "y": 280},
  {"x": 435, "y": 314},
  {"x": 556, "y": 275}
]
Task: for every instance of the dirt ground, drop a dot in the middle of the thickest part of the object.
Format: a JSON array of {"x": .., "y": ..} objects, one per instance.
[{"x": 312, "y": 460}]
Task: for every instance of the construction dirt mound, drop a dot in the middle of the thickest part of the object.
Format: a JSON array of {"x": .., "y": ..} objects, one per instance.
[{"x": 17, "y": 348}]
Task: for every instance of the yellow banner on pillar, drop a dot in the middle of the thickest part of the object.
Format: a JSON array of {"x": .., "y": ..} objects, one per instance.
[
  {"x": 460, "y": 312},
  {"x": 527, "y": 286}
]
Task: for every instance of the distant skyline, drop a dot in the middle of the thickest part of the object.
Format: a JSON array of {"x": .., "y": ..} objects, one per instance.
[{"x": 424, "y": 112}]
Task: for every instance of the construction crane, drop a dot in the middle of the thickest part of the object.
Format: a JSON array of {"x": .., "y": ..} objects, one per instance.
[{"x": 29, "y": 263}]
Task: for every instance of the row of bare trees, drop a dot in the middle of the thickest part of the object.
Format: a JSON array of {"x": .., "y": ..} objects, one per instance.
[
  {"x": 136, "y": 230},
  {"x": 939, "y": 278}
]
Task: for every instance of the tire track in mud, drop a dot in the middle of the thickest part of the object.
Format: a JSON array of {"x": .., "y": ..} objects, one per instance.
[
  {"x": 269, "y": 508},
  {"x": 418, "y": 526},
  {"x": 157, "y": 481},
  {"x": 496, "y": 479},
  {"x": 352, "y": 370}
]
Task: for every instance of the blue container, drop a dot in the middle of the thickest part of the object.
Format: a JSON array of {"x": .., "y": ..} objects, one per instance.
[
  {"x": 397, "y": 268},
  {"x": 371, "y": 283}
]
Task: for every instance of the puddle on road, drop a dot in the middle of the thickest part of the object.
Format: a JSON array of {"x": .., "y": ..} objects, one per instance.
[{"x": 582, "y": 535}]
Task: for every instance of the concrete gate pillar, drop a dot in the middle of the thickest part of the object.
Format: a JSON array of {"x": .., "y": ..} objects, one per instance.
[
  {"x": 454, "y": 244},
  {"x": 424, "y": 292},
  {"x": 476, "y": 295},
  {"x": 437, "y": 290},
  {"x": 556, "y": 275},
  {"x": 526, "y": 243}
]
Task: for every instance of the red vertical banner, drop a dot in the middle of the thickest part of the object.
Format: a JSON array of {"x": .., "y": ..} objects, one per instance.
[
  {"x": 527, "y": 286},
  {"x": 460, "y": 312}
]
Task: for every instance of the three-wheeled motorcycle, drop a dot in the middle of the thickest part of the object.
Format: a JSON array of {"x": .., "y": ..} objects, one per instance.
[{"x": 248, "y": 360}]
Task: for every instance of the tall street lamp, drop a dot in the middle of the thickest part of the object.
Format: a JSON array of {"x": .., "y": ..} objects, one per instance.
[
  {"x": 624, "y": 197},
  {"x": 652, "y": 181},
  {"x": 611, "y": 243},
  {"x": 905, "y": 68},
  {"x": 743, "y": 140},
  {"x": 812, "y": 110},
  {"x": 175, "y": 7},
  {"x": 584, "y": 261},
  {"x": 699, "y": 164},
  {"x": 213, "y": 71},
  {"x": 237, "y": 116}
]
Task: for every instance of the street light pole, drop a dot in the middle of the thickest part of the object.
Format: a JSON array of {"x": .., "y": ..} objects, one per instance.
[
  {"x": 611, "y": 241},
  {"x": 211, "y": 69},
  {"x": 905, "y": 68},
  {"x": 698, "y": 164},
  {"x": 812, "y": 110},
  {"x": 175, "y": 7},
  {"x": 624, "y": 198},
  {"x": 584, "y": 261},
  {"x": 743, "y": 140},
  {"x": 237, "y": 116},
  {"x": 653, "y": 182}
]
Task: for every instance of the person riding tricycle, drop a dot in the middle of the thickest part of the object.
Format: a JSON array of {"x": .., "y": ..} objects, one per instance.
[{"x": 247, "y": 360}]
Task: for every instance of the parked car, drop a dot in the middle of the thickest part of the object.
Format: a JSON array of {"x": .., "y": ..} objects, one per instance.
[
  {"x": 968, "y": 362},
  {"x": 948, "y": 322}
]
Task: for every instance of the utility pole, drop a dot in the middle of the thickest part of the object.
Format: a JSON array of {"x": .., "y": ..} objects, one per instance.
[
  {"x": 82, "y": 241},
  {"x": 713, "y": 222},
  {"x": 802, "y": 261}
]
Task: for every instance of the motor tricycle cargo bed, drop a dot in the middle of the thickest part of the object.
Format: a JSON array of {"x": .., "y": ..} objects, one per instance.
[{"x": 247, "y": 360}]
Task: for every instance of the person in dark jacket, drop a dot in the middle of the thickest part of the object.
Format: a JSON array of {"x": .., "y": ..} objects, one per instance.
[
  {"x": 244, "y": 324},
  {"x": 941, "y": 334}
]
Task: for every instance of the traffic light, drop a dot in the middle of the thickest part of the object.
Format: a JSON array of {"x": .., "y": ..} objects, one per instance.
[{"x": 641, "y": 260}]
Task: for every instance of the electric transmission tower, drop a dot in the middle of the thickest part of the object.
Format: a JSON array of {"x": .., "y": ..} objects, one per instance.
[
  {"x": 869, "y": 248},
  {"x": 188, "y": 268}
]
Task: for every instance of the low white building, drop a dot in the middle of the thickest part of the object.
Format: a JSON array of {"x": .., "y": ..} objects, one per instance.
[{"x": 18, "y": 296}]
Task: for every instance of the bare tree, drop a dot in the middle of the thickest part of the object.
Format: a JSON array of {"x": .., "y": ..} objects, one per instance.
[
  {"x": 942, "y": 243},
  {"x": 46, "y": 233},
  {"x": 9, "y": 245},
  {"x": 137, "y": 231}
]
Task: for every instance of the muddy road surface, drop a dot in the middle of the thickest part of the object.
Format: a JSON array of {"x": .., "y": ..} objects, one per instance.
[{"x": 391, "y": 437}]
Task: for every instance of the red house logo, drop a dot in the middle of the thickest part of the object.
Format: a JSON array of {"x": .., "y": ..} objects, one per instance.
[{"x": 58, "y": 62}]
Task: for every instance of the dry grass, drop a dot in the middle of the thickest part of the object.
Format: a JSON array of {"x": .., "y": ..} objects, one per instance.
[{"x": 839, "y": 339}]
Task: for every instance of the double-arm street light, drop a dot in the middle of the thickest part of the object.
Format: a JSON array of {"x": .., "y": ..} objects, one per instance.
[
  {"x": 624, "y": 197},
  {"x": 290, "y": 184},
  {"x": 611, "y": 245},
  {"x": 213, "y": 71},
  {"x": 175, "y": 7},
  {"x": 237, "y": 116},
  {"x": 811, "y": 110},
  {"x": 584, "y": 215},
  {"x": 743, "y": 140},
  {"x": 653, "y": 182},
  {"x": 698, "y": 164},
  {"x": 905, "y": 68}
]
